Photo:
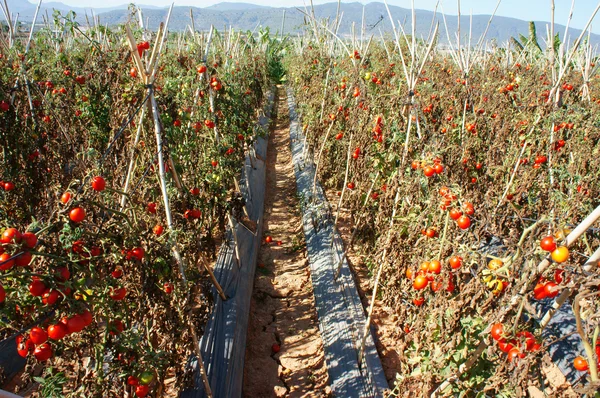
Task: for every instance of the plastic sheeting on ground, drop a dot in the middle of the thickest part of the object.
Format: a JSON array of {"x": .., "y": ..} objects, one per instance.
[
  {"x": 341, "y": 314},
  {"x": 223, "y": 345}
]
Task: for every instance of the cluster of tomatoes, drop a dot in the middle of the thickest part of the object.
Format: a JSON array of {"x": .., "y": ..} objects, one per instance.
[
  {"x": 461, "y": 216},
  {"x": 429, "y": 170},
  {"x": 15, "y": 251},
  {"x": 427, "y": 275},
  {"x": 378, "y": 129},
  {"x": 515, "y": 345}
]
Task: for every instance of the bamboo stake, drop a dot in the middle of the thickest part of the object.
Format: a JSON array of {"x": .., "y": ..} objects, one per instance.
[{"x": 213, "y": 279}]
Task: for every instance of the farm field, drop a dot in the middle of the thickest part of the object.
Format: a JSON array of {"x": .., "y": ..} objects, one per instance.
[{"x": 460, "y": 185}]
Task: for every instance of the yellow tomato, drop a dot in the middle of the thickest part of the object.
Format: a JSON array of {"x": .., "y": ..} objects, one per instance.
[
  {"x": 495, "y": 264},
  {"x": 560, "y": 254}
]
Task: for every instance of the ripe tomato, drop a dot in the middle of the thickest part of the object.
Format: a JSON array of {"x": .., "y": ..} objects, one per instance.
[
  {"x": 117, "y": 272},
  {"x": 168, "y": 286},
  {"x": 514, "y": 353},
  {"x": 268, "y": 239},
  {"x": 409, "y": 273},
  {"x": 455, "y": 262},
  {"x": 98, "y": 184},
  {"x": 10, "y": 235},
  {"x": 138, "y": 253},
  {"x": 351, "y": 185},
  {"x": 429, "y": 171},
  {"x": 50, "y": 297},
  {"x": 438, "y": 168},
  {"x": 419, "y": 301},
  {"x": 118, "y": 294},
  {"x": 77, "y": 214},
  {"x": 151, "y": 208},
  {"x": 62, "y": 274},
  {"x": 37, "y": 288},
  {"x": 141, "y": 391},
  {"x": 463, "y": 222},
  {"x": 420, "y": 282},
  {"x": 133, "y": 72},
  {"x": 505, "y": 346},
  {"x": 132, "y": 381},
  {"x": 435, "y": 266},
  {"x": 548, "y": 244},
  {"x": 539, "y": 291},
  {"x": 38, "y": 335},
  {"x": 497, "y": 331},
  {"x": 23, "y": 346},
  {"x": 116, "y": 327},
  {"x": 2, "y": 294},
  {"x": 29, "y": 240},
  {"x": 23, "y": 259},
  {"x": 455, "y": 214},
  {"x": 275, "y": 348},
  {"x": 431, "y": 232},
  {"x": 195, "y": 191},
  {"x": 560, "y": 254},
  {"x": 6, "y": 262},
  {"x": 580, "y": 364},
  {"x": 75, "y": 324},
  {"x": 559, "y": 275},
  {"x": 551, "y": 289},
  {"x": 43, "y": 352},
  {"x": 158, "y": 230},
  {"x": 65, "y": 198},
  {"x": 57, "y": 332},
  {"x": 468, "y": 208},
  {"x": 415, "y": 164},
  {"x": 87, "y": 317}
]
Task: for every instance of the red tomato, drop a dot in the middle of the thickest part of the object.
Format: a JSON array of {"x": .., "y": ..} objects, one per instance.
[
  {"x": 118, "y": 294},
  {"x": 514, "y": 353},
  {"x": 10, "y": 235},
  {"x": 463, "y": 222},
  {"x": 23, "y": 259},
  {"x": 2, "y": 294},
  {"x": 548, "y": 243},
  {"x": 6, "y": 262},
  {"x": 23, "y": 346},
  {"x": 65, "y": 198},
  {"x": 57, "y": 332},
  {"x": 435, "y": 266},
  {"x": 43, "y": 352},
  {"x": 455, "y": 262},
  {"x": 580, "y": 364},
  {"x": 98, "y": 184},
  {"x": 38, "y": 335},
  {"x": 497, "y": 331},
  {"x": 77, "y": 214},
  {"x": 420, "y": 282},
  {"x": 158, "y": 230},
  {"x": 37, "y": 288},
  {"x": 428, "y": 171},
  {"x": 29, "y": 240},
  {"x": 75, "y": 324},
  {"x": 551, "y": 289},
  {"x": 455, "y": 214}
]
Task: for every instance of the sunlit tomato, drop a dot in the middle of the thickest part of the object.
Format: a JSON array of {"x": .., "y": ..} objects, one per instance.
[
  {"x": 455, "y": 262},
  {"x": 455, "y": 214},
  {"x": 560, "y": 254},
  {"x": 10, "y": 235},
  {"x": 29, "y": 240},
  {"x": 435, "y": 266},
  {"x": 551, "y": 289},
  {"x": 66, "y": 197},
  {"x": 495, "y": 264},
  {"x": 428, "y": 171},
  {"x": 580, "y": 364},
  {"x": 515, "y": 353},
  {"x": 431, "y": 233},
  {"x": 138, "y": 253},
  {"x": 419, "y": 301},
  {"x": 415, "y": 164},
  {"x": 420, "y": 282},
  {"x": 548, "y": 243},
  {"x": 23, "y": 346},
  {"x": 133, "y": 72},
  {"x": 57, "y": 331},
  {"x": 468, "y": 208},
  {"x": 409, "y": 273},
  {"x": 142, "y": 390},
  {"x": 559, "y": 275},
  {"x": 37, "y": 335},
  {"x": 168, "y": 287},
  {"x": 505, "y": 346},
  {"x": 6, "y": 262},
  {"x": 463, "y": 222},
  {"x": 98, "y": 184},
  {"x": 50, "y": 297},
  {"x": 158, "y": 230},
  {"x": 77, "y": 214},
  {"x": 438, "y": 168},
  {"x": 539, "y": 291},
  {"x": 43, "y": 352},
  {"x": 497, "y": 331},
  {"x": 118, "y": 294}
]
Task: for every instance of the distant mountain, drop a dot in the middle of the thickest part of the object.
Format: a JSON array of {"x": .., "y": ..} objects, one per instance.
[
  {"x": 227, "y": 6},
  {"x": 246, "y": 16}
]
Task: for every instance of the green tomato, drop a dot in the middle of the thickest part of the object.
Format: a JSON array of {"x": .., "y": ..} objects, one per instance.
[{"x": 146, "y": 377}]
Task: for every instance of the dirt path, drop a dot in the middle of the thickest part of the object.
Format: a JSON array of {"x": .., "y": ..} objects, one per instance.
[{"x": 282, "y": 311}]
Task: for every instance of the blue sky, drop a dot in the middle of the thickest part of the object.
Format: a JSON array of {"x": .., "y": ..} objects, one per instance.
[{"x": 522, "y": 9}]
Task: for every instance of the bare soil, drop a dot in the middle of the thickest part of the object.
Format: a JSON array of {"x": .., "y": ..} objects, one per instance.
[{"x": 283, "y": 311}]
